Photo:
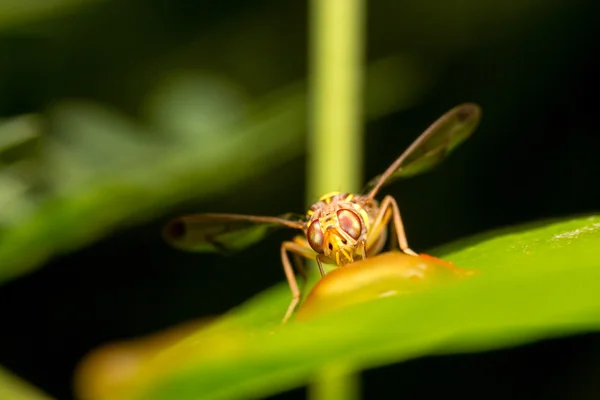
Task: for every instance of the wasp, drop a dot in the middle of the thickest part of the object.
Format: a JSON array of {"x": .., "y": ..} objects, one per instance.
[{"x": 340, "y": 228}]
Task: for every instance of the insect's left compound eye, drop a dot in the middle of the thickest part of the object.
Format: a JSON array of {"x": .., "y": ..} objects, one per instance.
[
  {"x": 350, "y": 223},
  {"x": 314, "y": 235}
]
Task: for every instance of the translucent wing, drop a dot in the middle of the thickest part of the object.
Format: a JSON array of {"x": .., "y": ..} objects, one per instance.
[
  {"x": 223, "y": 232},
  {"x": 432, "y": 147}
]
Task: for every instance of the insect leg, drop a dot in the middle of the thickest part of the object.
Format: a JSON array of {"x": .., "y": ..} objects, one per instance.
[
  {"x": 393, "y": 239},
  {"x": 389, "y": 208},
  {"x": 320, "y": 260},
  {"x": 363, "y": 249},
  {"x": 378, "y": 232},
  {"x": 298, "y": 258},
  {"x": 299, "y": 264},
  {"x": 296, "y": 249},
  {"x": 301, "y": 240}
]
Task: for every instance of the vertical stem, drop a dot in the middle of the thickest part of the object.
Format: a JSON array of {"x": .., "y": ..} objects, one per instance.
[
  {"x": 336, "y": 382},
  {"x": 335, "y": 135}
]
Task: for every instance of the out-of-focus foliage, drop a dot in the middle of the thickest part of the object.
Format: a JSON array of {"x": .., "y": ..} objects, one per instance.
[
  {"x": 97, "y": 169},
  {"x": 13, "y": 388},
  {"x": 534, "y": 281},
  {"x": 15, "y": 12}
]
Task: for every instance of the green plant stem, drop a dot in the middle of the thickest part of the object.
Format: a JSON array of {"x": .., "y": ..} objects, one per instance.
[
  {"x": 336, "y": 83},
  {"x": 335, "y": 134},
  {"x": 336, "y": 382}
]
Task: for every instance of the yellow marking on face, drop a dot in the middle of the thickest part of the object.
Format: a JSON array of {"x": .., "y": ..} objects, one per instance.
[
  {"x": 340, "y": 253},
  {"x": 363, "y": 215},
  {"x": 349, "y": 197},
  {"x": 347, "y": 255},
  {"x": 327, "y": 197}
]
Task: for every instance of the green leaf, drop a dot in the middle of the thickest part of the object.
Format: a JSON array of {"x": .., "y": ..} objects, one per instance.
[
  {"x": 534, "y": 281},
  {"x": 14, "y": 388}
]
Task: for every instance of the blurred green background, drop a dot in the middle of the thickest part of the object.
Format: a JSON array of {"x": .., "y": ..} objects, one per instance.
[{"x": 117, "y": 115}]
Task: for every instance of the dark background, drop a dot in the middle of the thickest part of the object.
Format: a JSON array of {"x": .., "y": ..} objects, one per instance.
[{"x": 531, "y": 65}]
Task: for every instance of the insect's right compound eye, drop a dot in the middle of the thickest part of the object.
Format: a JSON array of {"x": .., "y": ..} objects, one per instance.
[{"x": 314, "y": 235}]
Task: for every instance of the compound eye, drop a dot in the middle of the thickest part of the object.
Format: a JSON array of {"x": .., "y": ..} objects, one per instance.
[
  {"x": 350, "y": 223},
  {"x": 314, "y": 234}
]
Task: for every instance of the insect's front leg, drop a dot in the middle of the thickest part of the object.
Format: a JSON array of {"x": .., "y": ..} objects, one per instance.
[
  {"x": 297, "y": 249},
  {"x": 389, "y": 209}
]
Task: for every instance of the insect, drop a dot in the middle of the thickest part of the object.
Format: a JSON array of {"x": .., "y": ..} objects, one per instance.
[{"x": 339, "y": 228}]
